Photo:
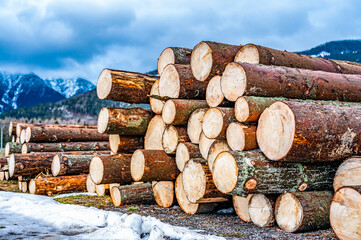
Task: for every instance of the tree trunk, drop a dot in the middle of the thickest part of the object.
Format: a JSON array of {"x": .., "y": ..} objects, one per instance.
[
  {"x": 28, "y": 164},
  {"x": 12, "y": 128},
  {"x": 123, "y": 121},
  {"x": 345, "y": 217},
  {"x": 328, "y": 132},
  {"x": 64, "y": 147},
  {"x": 241, "y": 137},
  {"x": 90, "y": 185},
  {"x": 261, "y": 209},
  {"x": 2, "y": 175},
  {"x": 194, "y": 126},
  {"x": 12, "y": 147},
  {"x": 249, "y": 109},
  {"x": 216, "y": 148},
  {"x": 173, "y": 55},
  {"x": 240, "y": 205},
  {"x": 23, "y": 186},
  {"x": 23, "y": 136},
  {"x": 130, "y": 194},
  {"x": 210, "y": 59},
  {"x": 156, "y": 104},
  {"x": 348, "y": 173},
  {"x": 3, "y": 162},
  {"x": 269, "y": 81},
  {"x": 57, "y": 185},
  {"x": 163, "y": 193},
  {"x": 123, "y": 86},
  {"x": 257, "y": 54},
  {"x": 7, "y": 175},
  {"x": 216, "y": 121},
  {"x": 198, "y": 184},
  {"x": 204, "y": 145},
  {"x": 111, "y": 169},
  {"x": 214, "y": 94},
  {"x": 154, "y": 135},
  {"x": 178, "y": 111},
  {"x": 173, "y": 135},
  {"x": 177, "y": 81},
  {"x": 185, "y": 152},
  {"x": 125, "y": 144},
  {"x": 153, "y": 165},
  {"x": 241, "y": 173},
  {"x": 19, "y": 127},
  {"x": 303, "y": 211},
  {"x": 102, "y": 189}
]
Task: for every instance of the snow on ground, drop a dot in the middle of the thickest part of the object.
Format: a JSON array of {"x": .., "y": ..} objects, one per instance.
[{"x": 25, "y": 216}]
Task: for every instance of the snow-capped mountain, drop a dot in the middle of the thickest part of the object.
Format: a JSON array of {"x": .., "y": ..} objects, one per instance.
[{"x": 70, "y": 87}]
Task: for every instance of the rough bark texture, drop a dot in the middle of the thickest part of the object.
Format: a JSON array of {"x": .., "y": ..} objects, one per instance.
[
  {"x": 348, "y": 173},
  {"x": 125, "y": 144},
  {"x": 64, "y": 147},
  {"x": 181, "y": 56},
  {"x": 135, "y": 193},
  {"x": 12, "y": 147},
  {"x": 57, "y": 185},
  {"x": 130, "y": 87},
  {"x": 124, "y": 121},
  {"x": 183, "y": 110},
  {"x": 28, "y": 164}
]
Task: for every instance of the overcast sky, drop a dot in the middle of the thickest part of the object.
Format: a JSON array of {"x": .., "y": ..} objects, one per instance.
[{"x": 78, "y": 38}]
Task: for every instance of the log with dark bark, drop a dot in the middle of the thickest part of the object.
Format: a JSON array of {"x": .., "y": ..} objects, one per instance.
[
  {"x": 125, "y": 144},
  {"x": 124, "y": 121},
  {"x": 163, "y": 192},
  {"x": 241, "y": 137},
  {"x": 153, "y": 165},
  {"x": 3, "y": 162},
  {"x": 328, "y": 131},
  {"x": 64, "y": 147},
  {"x": 123, "y": 86},
  {"x": 216, "y": 148},
  {"x": 130, "y": 194},
  {"x": 204, "y": 145},
  {"x": 90, "y": 185},
  {"x": 216, "y": 121},
  {"x": 348, "y": 173},
  {"x": 303, "y": 211},
  {"x": 177, "y": 81},
  {"x": 173, "y": 135},
  {"x": 178, "y": 111},
  {"x": 28, "y": 164},
  {"x": 173, "y": 55},
  {"x": 210, "y": 58},
  {"x": 154, "y": 135},
  {"x": 214, "y": 94},
  {"x": 57, "y": 185},
  {"x": 261, "y": 209},
  {"x": 194, "y": 126},
  {"x": 240, "y": 205},
  {"x": 345, "y": 213},
  {"x": 241, "y": 173},
  {"x": 156, "y": 103},
  {"x": 186, "y": 151},
  {"x": 240, "y": 79},
  {"x": 257, "y": 54},
  {"x": 12, "y": 147},
  {"x": 111, "y": 169}
]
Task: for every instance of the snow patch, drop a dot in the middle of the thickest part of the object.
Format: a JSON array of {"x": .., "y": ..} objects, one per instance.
[{"x": 322, "y": 54}]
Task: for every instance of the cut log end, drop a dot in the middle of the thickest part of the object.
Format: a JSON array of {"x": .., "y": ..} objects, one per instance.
[
  {"x": 114, "y": 141},
  {"x": 212, "y": 123},
  {"x": 90, "y": 185},
  {"x": 240, "y": 205},
  {"x": 32, "y": 186},
  {"x": 184, "y": 203},
  {"x": 156, "y": 104},
  {"x": 96, "y": 169},
  {"x": 7, "y": 149},
  {"x": 348, "y": 173},
  {"x": 289, "y": 212},
  {"x": 170, "y": 139},
  {"x": 249, "y": 54},
  {"x": 103, "y": 118},
  {"x": 214, "y": 94},
  {"x": 194, "y": 181},
  {"x": 137, "y": 165},
  {"x": 235, "y": 137},
  {"x": 11, "y": 128},
  {"x": 101, "y": 189},
  {"x": 116, "y": 196},
  {"x": 216, "y": 148},
  {"x": 261, "y": 210},
  {"x": 24, "y": 149},
  {"x": 11, "y": 164},
  {"x": 225, "y": 172},
  {"x": 169, "y": 112},
  {"x": 181, "y": 156},
  {"x": 163, "y": 193},
  {"x": 27, "y": 134},
  {"x": 55, "y": 165},
  {"x": 154, "y": 134},
  {"x": 201, "y": 61},
  {"x": 194, "y": 127},
  {"x": 18, "y": 130},
  {"x": 23, "y": 136},
  {"x": 276, "y": 130},
  {"x": 204, "y": 145},
  {"x": 169, "y": 82},
  {"x": 165, "y": 58},
  {"x": 241, "y": 109},
  {"x": 104, "y": 84},
  {"x": 233, "y": 81}
]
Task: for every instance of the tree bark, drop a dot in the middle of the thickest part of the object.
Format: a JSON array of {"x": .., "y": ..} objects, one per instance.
[
  {"x": 28, "y": 164},
  {"x": 261, "y": 209},
  {"x": 210, "y": 59},
  {"x": 240, "y": 205},
  {"x": 173, "y": 55},
  {"x": 241, "y": 137},
  {"x": 186, "y": 151},
  {"x": 173, "y": 135},
  {"x": 123, "y": 121},
  {"x": 111, "y": 169},
  {"x": 123, "y": 86},
  {"x": 163, "y": 193},
  {"x": 216, "y": 121},
  {"x": 130, "y": 194},
  {"x": 348, "y": 173},
  {"x": 178, "y": 111},
  {"x": 303, "y": 211},
  {"x": 241, "y": 173},
  {"x": 153, "y": 165},
  {"x": 252, "y": 53},
  {"x": 12, "y": 147},
  {"x": 194, "y": 126},
  {"x": 154, "y": 135},
  {"x": 125, "y": 144},
  {"x": 56, "y": 185},
  {"x": 328, "y": 132},
  {"x": 64, "y": 147},
  {"x": 3, "y": 162}
]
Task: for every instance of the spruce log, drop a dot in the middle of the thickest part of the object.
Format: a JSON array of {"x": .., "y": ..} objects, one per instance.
[
  {"x": 23, "y": 186},
  {"x": 90, "y": 185},
  {"x": 57, "y": 185},
  {"x": 153, "y": 165},
  {"x": 178, "y": 111},
  {"x": 261, "y": 209},
  {"x": 303, "y": 211},
  {"x": 198, "y": 184},
  {"x": 17, "y": 140},
  {"x": 64, "y": 147},
  {"x": 12, "y": 147},
  {"x": 154, "y": 135},
  {"x": 348, "y": 173},
  {"x": 19, "y": 127},
  {"x": 22, "y": 136},
  {"x": 130, "y": 194},
  {"x": 216, "y": 121},
  {"x": 240, "y": 79},
  {"x": 156, "y": 104},
  {"x": 2, "y": 175},
  {"x": 257, "y": 54},
  {"x": 177, "y": 81},
  {"x": 328, "y": 132},
  {"x": 241, "y": 173},
  {"x": 163, "y": 192},
  {"x": 214, "y": 94},
  {"x": 123, "y": 86},
  {"x": 102, "y": 189},
  {"x": 125, "y": 144},
  {"x": 7, "y": 175},
  {"x": 186, "y": 151},
  {"x": 204, "y": 145},
  {"x": 216, "y": 148},
  {"x": 12, "y": 128},
  {"x": 28, "y": 164},
  {"x": 173, "y": 135},
  {"x": 241, "y": 137},
  {"x": 13, "y": 139},
  {"x": 124, "y": 121},
  {"x": 31, "y": 125},
  {"x": 240, "y": 205},
  {"x": 173, "y": 55},
  {"x": 111, "y": 169},
  {"x": 345, "y": 213},
  {"x": 3, "y": 162},
  {"x": 194, "y": 126},
  {"x": 210, "y": 58}
]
